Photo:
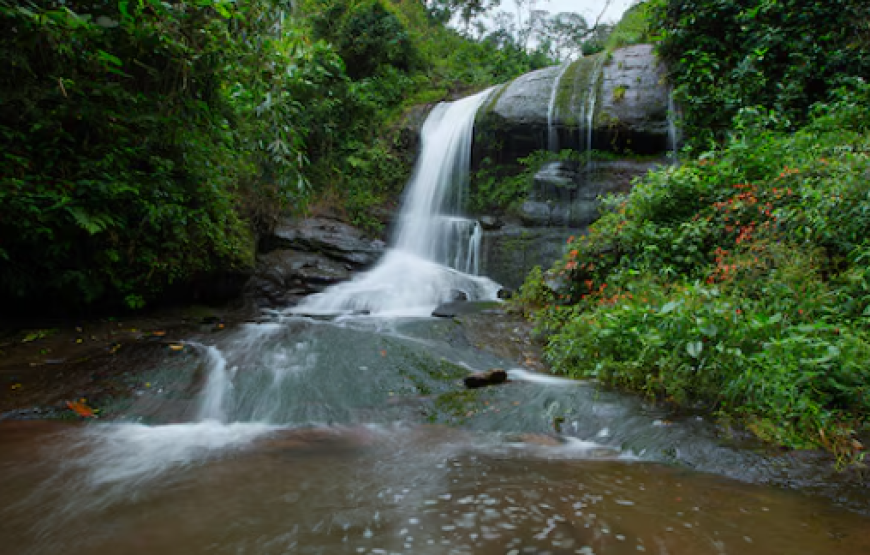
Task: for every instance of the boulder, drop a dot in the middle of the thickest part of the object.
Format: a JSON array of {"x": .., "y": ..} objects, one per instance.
[
  {"x": 304, "y": 256},
  {"x": 611, "y": 102},
  {"x": 331, "y": 238}
]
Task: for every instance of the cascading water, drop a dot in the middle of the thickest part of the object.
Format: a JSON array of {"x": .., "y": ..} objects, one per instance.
[
  {"x": 552, "y": 131},
  {"x": 588, "y": 109},
  {"x": 435, "y": 249}
]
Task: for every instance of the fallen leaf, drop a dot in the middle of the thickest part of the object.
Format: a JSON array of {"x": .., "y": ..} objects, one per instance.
[
  {"x": 176, "y": 347},
  {"x": 15, "y": 386},
  {"x": 82, "y": 409},
  {"x": 159, "y": 333}
]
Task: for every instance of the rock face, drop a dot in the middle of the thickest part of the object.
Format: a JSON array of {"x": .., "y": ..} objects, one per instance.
[
  {"x": 612, "y": 102},
  {"x": 616, "y": 105},
  {"x": 304, "y": 256}
]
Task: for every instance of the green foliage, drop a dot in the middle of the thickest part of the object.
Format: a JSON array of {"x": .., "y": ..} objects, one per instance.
[
  {"x": 534, "y": 294},
  {"x": 635, "y": 27},
  {"x": 736, "y": 281},
  {"x": 367, "y": 34},
  {"x": 493, "y": 189},
  {"x": 142, "y": 140},
  {"x": 787, "y": 55}
]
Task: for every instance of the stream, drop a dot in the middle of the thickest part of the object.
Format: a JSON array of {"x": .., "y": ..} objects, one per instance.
[
  {"x": 342, "y": 425},
  {"x": 381, "y": 450}
]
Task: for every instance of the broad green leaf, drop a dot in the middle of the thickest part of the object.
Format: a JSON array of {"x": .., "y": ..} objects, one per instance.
[{"x": 106, "y": 57}]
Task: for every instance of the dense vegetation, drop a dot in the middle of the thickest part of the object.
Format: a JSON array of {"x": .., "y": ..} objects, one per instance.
[
  {"x": 784, "y": 56},
  {"x": 737, "y": 281},
  {"x": 146, "y": 143}
]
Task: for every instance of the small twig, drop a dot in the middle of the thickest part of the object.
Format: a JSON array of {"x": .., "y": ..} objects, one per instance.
[{"x": 62, "y": 88}]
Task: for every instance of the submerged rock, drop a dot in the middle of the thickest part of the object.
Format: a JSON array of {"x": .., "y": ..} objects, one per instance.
[{"x": 459, "y": 308}]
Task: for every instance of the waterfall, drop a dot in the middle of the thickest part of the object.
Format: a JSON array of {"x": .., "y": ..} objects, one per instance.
[
  {"x": 552, "y": 132},
  {"x": 588, "y": 108},
  {"x": 216, "y": 388},
  {"x": 436, "y": 250}
]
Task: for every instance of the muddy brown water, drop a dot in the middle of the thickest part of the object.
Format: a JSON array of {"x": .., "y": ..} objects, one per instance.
[
  {"x": 356, "y": 437},
  {"x": 422, "y": 489}
]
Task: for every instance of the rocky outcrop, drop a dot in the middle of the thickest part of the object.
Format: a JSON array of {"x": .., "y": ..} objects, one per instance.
[
  {"x": 612, "y": 108},
  {"x": 614, "y": 102},
  {"x": 511, "y": 252},
  {"x": 304, "y": 256}
]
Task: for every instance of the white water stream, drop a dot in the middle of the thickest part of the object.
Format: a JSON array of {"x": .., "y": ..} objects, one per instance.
[
  {"x": 552, "y": 131},
  {"x": 588, "y": 108}
]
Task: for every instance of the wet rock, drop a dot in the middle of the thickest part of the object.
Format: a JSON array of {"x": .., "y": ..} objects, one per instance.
[
  {"x": 535, "y": 213},
  {"x": 284, "y": 276},
  {"x": 495, "y": 376},
  {"x": 458, "y": 296},
  {"x": 615, "y": 103},
  {"x": 630, "y": 108},
  {"x": 490, "y": 222},
  {"x": 304, "y": 256},
  {"x": 324, "y": 236},
  {"x": 634, "y": 101},
  {"x": 458, "y": 308},
  {"x": 325, "y": 317},
  {"x": 511, "y": 252}
]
